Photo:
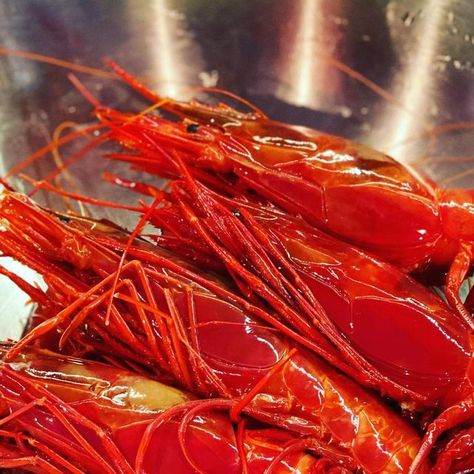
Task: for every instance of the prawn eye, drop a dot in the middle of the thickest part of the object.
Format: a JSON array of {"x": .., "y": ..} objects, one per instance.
[
  {"x": 192, "y": 128},
  {"x": 64, "y": 218}
]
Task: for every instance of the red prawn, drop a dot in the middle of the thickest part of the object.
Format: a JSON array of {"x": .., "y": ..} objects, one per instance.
[{"x": 67, "y": 415}]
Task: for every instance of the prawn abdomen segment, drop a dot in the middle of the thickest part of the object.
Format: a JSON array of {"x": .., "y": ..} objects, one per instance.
[
  {"x": 381, "y": 216},
  {"x": 389, "y": 317},
  {"x": 379, "y": 440}
]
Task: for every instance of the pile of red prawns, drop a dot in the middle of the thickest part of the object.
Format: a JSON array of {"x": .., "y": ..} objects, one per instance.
[{"x": 272, "y": 322}]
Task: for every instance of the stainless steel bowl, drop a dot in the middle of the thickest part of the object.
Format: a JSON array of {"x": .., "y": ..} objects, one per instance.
[{"x": 385, "y": 73}]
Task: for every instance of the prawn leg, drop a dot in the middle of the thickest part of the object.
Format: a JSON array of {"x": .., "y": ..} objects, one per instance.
[
  {"x": 22, "y": 455},
  {"x": 32, "y": 463},
  {"x": 456, "y": 275},
  {"x": 458, "y": 450},
  {"x": 451, "y": 417}
]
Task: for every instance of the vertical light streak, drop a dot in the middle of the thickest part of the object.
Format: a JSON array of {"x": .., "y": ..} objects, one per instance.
[
  {"x": 165, "y": 66},
  {"x": 304, "y": 77},
  {"x": 172, "y": 58},
  {"x": 417, "y": 78},
  {"x": 305, "y": 62}
]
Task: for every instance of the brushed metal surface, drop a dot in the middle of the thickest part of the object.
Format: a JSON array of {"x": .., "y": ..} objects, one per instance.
[{"x": 286, "y": 56}]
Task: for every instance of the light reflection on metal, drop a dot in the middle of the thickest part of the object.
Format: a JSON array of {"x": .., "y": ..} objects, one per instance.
[
  {"x": 15, "y": 305},
  {"x": 307, "y": 77},
  {"x": 417, "y": 80},
  {"x": 304, "y": 65},
  {"x": 174, "y": 59},
  {"x": 165, "y": 66}
]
